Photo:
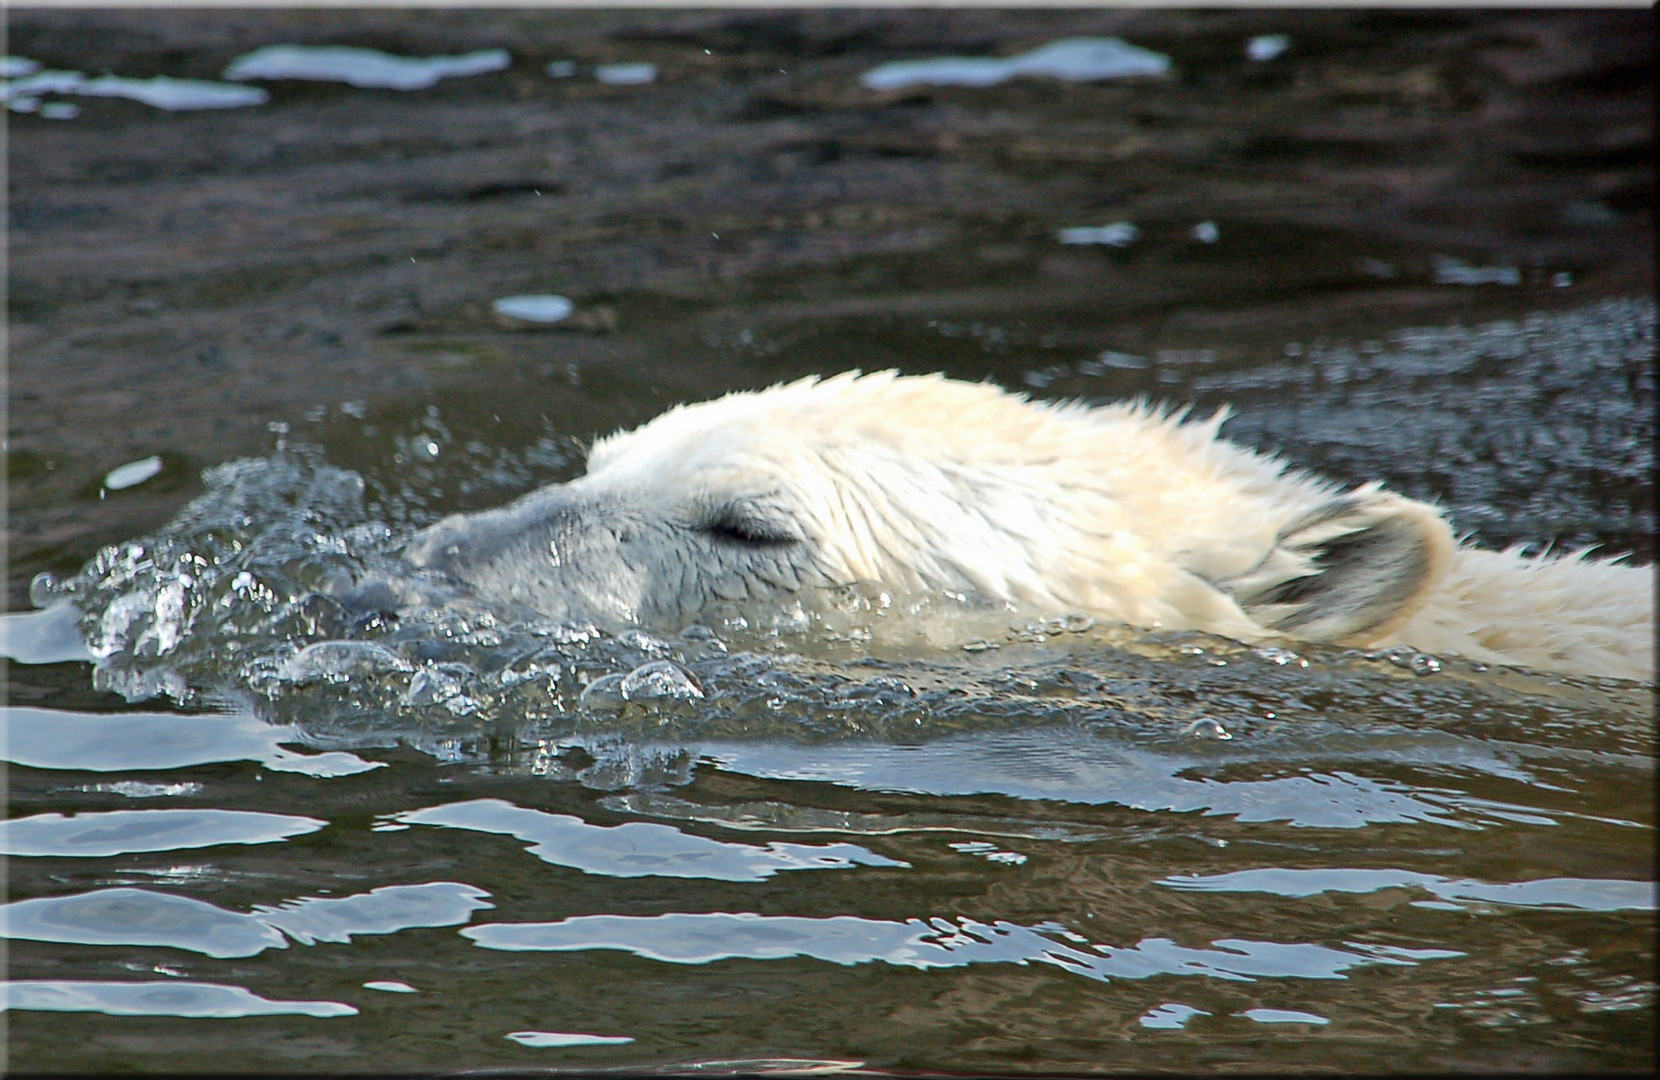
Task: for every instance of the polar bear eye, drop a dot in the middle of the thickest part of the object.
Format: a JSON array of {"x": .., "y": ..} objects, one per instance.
[{"x": 750, "y": 526}]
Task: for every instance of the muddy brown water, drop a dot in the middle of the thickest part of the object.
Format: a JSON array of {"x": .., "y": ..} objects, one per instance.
[{"x": 421, "y": 846}]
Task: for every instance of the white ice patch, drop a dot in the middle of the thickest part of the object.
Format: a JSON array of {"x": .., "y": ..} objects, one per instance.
[
  {"x": 368, "y": 68},
  {"x": 1072, "y": 59},
  {"x": 548, "y": 308}
]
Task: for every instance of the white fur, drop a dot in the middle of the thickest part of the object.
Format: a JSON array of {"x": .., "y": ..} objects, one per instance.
[{"x": 1124, "y": 512}]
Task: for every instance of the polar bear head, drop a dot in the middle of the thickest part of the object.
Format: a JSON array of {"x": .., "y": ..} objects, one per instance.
[{"x": 924, "y": 483}]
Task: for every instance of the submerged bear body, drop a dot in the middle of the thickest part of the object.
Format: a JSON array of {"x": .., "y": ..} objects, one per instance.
[{"x": 925, "y": 484}]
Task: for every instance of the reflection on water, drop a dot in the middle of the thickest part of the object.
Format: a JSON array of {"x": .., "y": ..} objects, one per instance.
[
  {"x": 59, "y": 739},
  {"x": 23, "y": 94},
  {"x": 127, "y": 916},
  {"x": 637, "y": 848},
  {"x": 361, "y": 67},
  {"x": 562, "y": 1038},
  {"x": 119, "y": 832},
  {"x": 164, "y": 998},
  {"x": 1073, "y": 59},
  {"x": 927, "y": 943},
  {"x": 1548, "y": 892}
]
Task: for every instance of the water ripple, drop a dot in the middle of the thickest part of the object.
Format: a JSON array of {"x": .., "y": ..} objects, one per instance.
[
  {"x": 678, "y": 938},
  {"x": 638, "y": 848}
]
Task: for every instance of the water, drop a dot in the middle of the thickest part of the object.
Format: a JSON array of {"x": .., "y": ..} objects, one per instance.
[
  {"x": 929, "y": 838},
  {"x": 251, "y": 823}
]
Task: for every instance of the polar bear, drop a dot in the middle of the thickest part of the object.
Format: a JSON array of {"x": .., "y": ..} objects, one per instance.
[{"x": 1125, "y": 512}]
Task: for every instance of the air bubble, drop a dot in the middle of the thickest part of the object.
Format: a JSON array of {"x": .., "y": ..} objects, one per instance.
[{"x": 659, "y": 680}]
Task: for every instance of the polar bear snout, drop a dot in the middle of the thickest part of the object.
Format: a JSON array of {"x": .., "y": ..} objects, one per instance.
[
  {"x": 582, "y": 551},
  {"x": 522, "y": 553}
]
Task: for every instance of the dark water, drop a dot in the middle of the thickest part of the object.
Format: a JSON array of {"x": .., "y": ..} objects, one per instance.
[{"x": 250, "y": 828}]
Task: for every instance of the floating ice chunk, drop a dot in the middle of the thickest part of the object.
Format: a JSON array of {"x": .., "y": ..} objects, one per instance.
[
  {"x": 15, "y": 67},
  {"x": 133, "y": 473},
  {"x": 60, "y": 110},
  {"x": 1267, "y": 46},
  {"x": 174, "y": 95},
  {"x": 626, "y": 74},
  {"x": 368, "y": 68},
  {"x": 548, "y": 308},
  {"x": 1073, "y": 59},
  {"x": 1118, "y": 234},
  {"x": 561, "y": 69},
  {"x": 390, "y": 986},
  {"x": 1206, "y": 232},
  {"x": 1451, "y": 271}
]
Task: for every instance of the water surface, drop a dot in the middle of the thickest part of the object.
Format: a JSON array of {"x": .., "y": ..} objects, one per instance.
[{"x": 253, "y": 351}]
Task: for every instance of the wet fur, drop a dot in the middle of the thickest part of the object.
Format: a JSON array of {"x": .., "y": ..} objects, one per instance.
[{"x": 1124, "y": 512}]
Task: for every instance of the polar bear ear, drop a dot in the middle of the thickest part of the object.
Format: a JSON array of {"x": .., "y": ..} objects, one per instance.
[{"x": 1350, "y": 571}]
